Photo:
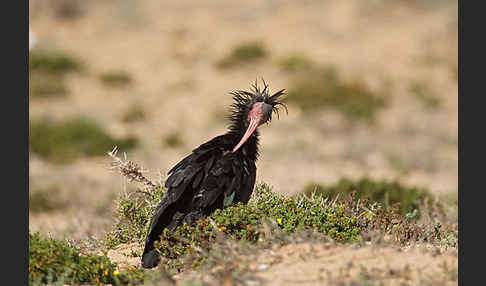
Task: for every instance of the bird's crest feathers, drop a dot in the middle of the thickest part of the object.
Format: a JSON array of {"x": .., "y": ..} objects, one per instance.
[{"x": 243, "y": 100}]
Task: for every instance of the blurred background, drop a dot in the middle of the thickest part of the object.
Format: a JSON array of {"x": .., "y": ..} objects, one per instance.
[{"x": 372, "y": 91}]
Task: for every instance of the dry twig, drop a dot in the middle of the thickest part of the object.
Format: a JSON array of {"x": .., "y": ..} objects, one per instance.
[{"x": 131, "y": 170}]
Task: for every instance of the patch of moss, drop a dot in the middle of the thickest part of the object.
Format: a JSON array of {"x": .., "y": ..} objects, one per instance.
[
  {"x": 249, "y": 52},
  {"x": 322, "y": 88},
  {"x": 383, "y": 191},
  {"x": 116, "y": 78},
  {"x": 53, "y": 260},
  {"x": 66, "y": 141}
]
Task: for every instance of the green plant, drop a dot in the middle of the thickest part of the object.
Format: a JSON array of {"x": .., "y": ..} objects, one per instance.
[
  {"x": 47, "y": 70},
  {"x": 67, "y": 141},
  {"x": 52, "y": 62},
  {"x": 385, "y": 192},
  {"x": 267, "y": 220},
  {"x": 116, "y": 78},
  {"x": 243, "y": 53},
  {"x": 173, "y": 140},
  {"x": 133, "y": 213},
  {"x": 52, "y": 260},
  {"x": 295, "y": 63},
  {"x": 322, "y": 88},
  {"x": 45, "y": 85},
  {"x": 239, "y": 222}
]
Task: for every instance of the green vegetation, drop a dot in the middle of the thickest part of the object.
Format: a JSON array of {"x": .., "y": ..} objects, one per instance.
[
  {"x": 239, "y": 222},
  {"x": 44, "y": 85},
  {"x": 52, "y": 62},
  {"x": 344, "y": 220},
  {"x": 44, "y": 200},
  {"x": 47, "y": 70},
  {"x": 116, "y": 78},
  {"x": 295, "y": 63},
  {"x": 385, "y": 192},
  {"x": 134, "y": 113},
  {"x": 67, "y": 141},
  {"x": 52, "y": 260},
  {"x": 320, "y": 88},
  {"x": 249, "y": 52},
  {"x": 245, "y": 222},
  {"x": 173, "y": 140},
  {"x": 422, "y": 92},
  {"x": 133, "y": 214}
]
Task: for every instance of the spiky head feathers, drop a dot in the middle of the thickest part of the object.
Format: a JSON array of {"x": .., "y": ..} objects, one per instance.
[{"x": 244, "y": 100}]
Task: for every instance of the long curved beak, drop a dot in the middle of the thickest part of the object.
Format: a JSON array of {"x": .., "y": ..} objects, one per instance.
[{"x": 254, "y": 123}]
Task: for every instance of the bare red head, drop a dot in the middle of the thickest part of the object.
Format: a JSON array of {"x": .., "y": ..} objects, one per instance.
[{"x": 259, "y": 106}]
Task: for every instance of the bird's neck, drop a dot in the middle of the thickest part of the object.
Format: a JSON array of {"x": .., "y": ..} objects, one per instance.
[
  {"x": 250, "y": 147},
  {"x": 237, "y": 129}
]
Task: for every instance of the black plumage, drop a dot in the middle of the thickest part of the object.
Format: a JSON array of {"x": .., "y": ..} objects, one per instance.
[{"x": 219, "y": 173}]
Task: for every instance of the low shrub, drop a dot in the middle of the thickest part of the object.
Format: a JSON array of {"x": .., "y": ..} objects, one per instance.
[
  {"x": 320, "y": 88},
  {"x": 67, "y": 141},
  {"x": 52, "y": 62},
  {"x": 296, "y": 63},
  {"x": 173, "y": 140},
  {"x": 249, "y": 52},
  {"x": 267, "y": 219},
  {"x": 239, "y": 222},
  {"x": 53, "y": 260},
  {"x": 47, "y": 70},
  {"x": 116, "y": 78},
  {"x": 44, "y": 85},
  {"x": 385, "y": 192}
]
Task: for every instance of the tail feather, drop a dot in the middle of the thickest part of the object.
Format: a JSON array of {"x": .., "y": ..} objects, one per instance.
[
  {"x": 150, "y": 259},
  {"x": 162, "y": 218},
  {"x": 169, "y": 214}
]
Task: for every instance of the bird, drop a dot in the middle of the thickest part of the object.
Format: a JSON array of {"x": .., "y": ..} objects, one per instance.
[{"x": 219, "y": 173}]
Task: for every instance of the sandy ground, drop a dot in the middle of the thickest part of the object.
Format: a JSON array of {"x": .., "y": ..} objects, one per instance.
[
  {"x": 327, "y": 263},
  {"x": 304, "y": 264},
  {"x": 170, "y": 49}
]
